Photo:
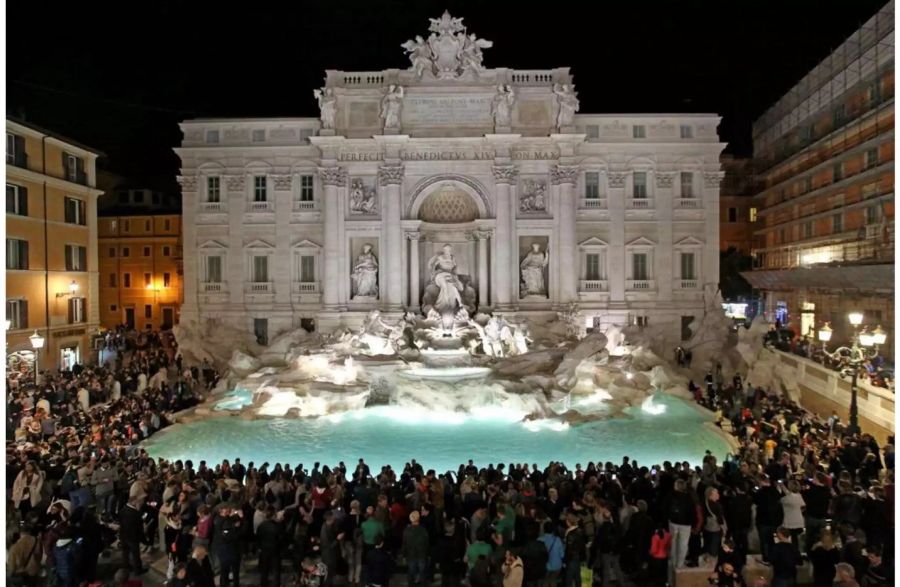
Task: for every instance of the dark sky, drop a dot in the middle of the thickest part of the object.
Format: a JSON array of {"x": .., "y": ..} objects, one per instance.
[{"x": 120, "y": 76}]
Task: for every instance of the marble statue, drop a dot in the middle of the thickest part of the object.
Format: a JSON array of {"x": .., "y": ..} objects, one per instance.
[
  {"x": 362, "y": 198},
  {"x": 448, "y": 52},
  {"x": 419, "y": 55},
  {"x": 391, "y": 105},
  {"x": 567, "y": 99},
  {"x": 502, "y": 105},
  {"x": 533, "y": 197},
  {"x": 443, "y": 274},
  {"x": 379, "y": 336},
  {"x": 327, "y": 106},
  {"x": 365, "y": 273},
  {"x": 532, "y": 267}
]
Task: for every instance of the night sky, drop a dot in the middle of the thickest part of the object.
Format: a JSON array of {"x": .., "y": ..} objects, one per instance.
[{"x": 120, "y": 77}]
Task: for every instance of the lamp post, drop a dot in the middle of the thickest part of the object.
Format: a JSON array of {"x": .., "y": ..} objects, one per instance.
[
  {"x": 864, "y": 347},
  {"x": 37, "y": 343}
]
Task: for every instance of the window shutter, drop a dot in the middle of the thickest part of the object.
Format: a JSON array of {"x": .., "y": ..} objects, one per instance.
[
  {"x": 23, "y": 199},
  {"x": 23, "y": 254},
  {"x": 82, "y": 258},
  {"x": 65, "y": 163},
  {"x": 20, "y": 150},
  {"x": 72, "y": 311}
]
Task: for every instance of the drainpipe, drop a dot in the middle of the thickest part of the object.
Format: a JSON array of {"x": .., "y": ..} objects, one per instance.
[{"x": 46, "y": 245}]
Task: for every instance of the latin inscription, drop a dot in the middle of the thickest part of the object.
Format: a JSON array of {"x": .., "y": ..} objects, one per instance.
[{"x": 444, "y": 110}]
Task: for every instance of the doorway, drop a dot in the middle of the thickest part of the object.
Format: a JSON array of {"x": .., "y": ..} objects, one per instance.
[
  {"x": 129, "y": 317},
  {"x": 168, "y": 318},
  {"x": 68, "y": 356}
]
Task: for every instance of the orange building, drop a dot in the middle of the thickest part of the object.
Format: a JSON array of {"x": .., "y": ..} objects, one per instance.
[
  {"x": 51, "y": 248},
  {"x": 737, "y": 209},
  {"x": 140, "y": 270},
  {"x": 824, "y": 155}
]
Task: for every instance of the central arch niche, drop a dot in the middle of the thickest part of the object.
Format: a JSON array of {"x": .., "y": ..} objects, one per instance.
[{"x": 448, "y": 204}]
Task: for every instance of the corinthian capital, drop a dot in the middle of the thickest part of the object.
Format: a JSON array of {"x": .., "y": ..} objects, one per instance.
[
  {"x": 234, "y": 182},
  {"x": 336, "y": 176},
  {"x": 712, "y": 179},
  {"x": 188, "y": 183},
  {"x": 505, "y": 173},
  {"x": 390, "y": 175},
  {"x": 564, "y": 174}
]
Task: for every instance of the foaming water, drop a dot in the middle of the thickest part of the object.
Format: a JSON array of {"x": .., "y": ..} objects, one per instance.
[{"x": 442, "y": 439}]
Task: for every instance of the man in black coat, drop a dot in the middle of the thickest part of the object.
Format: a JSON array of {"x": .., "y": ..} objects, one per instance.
[
  {"x": 379, "y": 565},
  {"x": 769, "y": 514},
  {"x": 226, "y": 540},
  {"x": 268, "y": 540},
  {"x": 739, "y": 516},
  {"x": 199, "y": 569},
  {"x": 131, "y": 532},
  {"x": 817, "y": 498},
  {"x": 784, "y": 559}
]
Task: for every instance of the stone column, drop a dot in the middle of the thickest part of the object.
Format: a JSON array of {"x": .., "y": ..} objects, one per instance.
[
  {"x": 710, "y": 262},
  {"x": 236, "y": 274},
  {"x": 190, "y": 257},
  {"x": 413, "y": 238},
  {"x": 615, "y": 201},
  {"x": 483, "y": 237},
  {"x": 565, "y": 176},
  {"x": 333, "y": 178},
  {"x": 664, "y": 257},
  {"x": 504, "y": 177},
  {"x": 281, "y": 266},
  {"x": 390, "y": 178}
]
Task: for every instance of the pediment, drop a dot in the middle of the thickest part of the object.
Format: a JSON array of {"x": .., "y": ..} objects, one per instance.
[
  {"x": 641, "y": 241},
  {"x": 593, "y": 242},
  {"x": 259, "y": 244},
  {"x": 690, "y": 241},
  {"x": 211, "y": 244},
  {"x": 306, "y": 244}
]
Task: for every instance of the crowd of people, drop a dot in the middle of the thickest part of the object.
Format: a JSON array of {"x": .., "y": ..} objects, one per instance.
[{"x": 79, "y": 483}]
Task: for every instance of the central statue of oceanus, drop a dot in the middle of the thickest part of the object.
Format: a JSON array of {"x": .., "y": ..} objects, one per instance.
[{"x": 447, "y": 291}]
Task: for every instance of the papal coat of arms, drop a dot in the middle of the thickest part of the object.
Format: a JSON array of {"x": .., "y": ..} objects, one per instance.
[{"x": 448, "y": 52}]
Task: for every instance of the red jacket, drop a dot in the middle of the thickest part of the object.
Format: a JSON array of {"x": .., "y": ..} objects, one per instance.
[{"x": 659, "y": 547}]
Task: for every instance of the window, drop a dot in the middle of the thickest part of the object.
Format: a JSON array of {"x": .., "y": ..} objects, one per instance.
[
  {"x": 837, "y": 223},
  {"x": 687, "y": 131},
  {"x": 167, "y": 251},
  {"x": 212, "y": 136},
  {"x": 306, "y": 188},
  {"x": 872, "y": 94},
  {"x": 156, "y": 197},
  {"x": 260, "y": 269},
  {"x": 686, "y": 322},
  {"x": 74, "y": 168},
  {"x": 146, "y": 251},
  {"x": 592, "y": 272},
  {"x": 641, "y": 321},
  {"x": 687, "y": 184},
  {"x": 167, "y": 224},
  {"x": 128, "y": 226},
  {"x": 807, "y": 184},
  {"x": 213, "y": 189},
  {"x": 126, "y": 280},
  {"x": 148, "y": 279},
  {"x": 837, "y": 172},
  {"x": 76, "y": 310},
  {"x": 873, "y": 214},
  {"x": 871, "y": 158},
  {"x": 167, "y": 280},
  {"x": 126, "y": 252},
  {"x": 732, "y": 215},
  {"x": 148, "y": 226},
  {"x": 113, "y": 307},
  {"x": 112, "y": 252},
  {"x": 138, "y": 196},
  {"x": 782, "y": 234},
  {"x": 113, "y": 281},
  {"x": 592, "y": 131},
  {"x": 259, "y": 135},
  {"x": 805, "y": 134},
  {"x": 640, "y": 184},
  {"x": 838, "y": 115},
  {"x": 214, "y": 269},
  {"x": 113, "y": 225},
  {"x": 75, "y": 211},
  {"x": 687, "y": 266},
  {"x": 753, "y": 214},
  {"x": 261, "y": 330},
  {"x": 639, "y": 131},
  {"x": 17, "y": 314},
  {"x": 259, "y": 188},
  {"x": 808, "y": 229},
  {"x": 307, "y": 268},
  {"x": 639, "y": 266},
  {"x": 591, "y": 185},
  {"x": 16, "y": 199},
  {"x": 76, "y": 258},
  {"x": 148, "y": 311},
  {"x": 15, "y": 150}
]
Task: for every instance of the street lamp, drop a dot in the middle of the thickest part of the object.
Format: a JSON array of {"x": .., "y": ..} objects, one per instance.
[
  {"x": 864, "y": 347},
  {"x": 73, "y": 289},
  {"x": 37, "y": 343}
]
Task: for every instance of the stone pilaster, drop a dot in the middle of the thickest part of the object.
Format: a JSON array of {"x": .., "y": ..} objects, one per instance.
[
  {"x": 616, "y": 260},
  {"x": 664, "y": 257},
  {"x": 390, "y": 178},
  {"x": 333, "y": 179},
  {"x": 565, "y": 176},
  {"x": 504, "y": 243},
  {"x": 414, "y": 279},
  {"x": 283, "y": 258}
]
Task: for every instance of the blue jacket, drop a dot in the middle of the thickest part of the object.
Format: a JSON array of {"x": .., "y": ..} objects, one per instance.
[
  {"x": 65, "y": 560},
  {"x": 555, "y": 551}
]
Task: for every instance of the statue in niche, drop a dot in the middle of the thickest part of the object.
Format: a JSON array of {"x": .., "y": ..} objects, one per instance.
[
  {"x": 365, "y": 274},
  {"x": 502, "y": 105},
  {"x": 567, "y": 99},
  {"x": 419, "y": 55},
  {"x": 443, "y": 274},
  {"x": 327, "y": 106},
  {"x": 532, "y": 267},
  {"x": 362, "y": 198},
  {"x": 533, "y": 197},
  {"x": 391, "y": 105}
]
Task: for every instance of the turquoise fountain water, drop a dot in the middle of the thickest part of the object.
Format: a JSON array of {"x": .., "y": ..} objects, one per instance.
[{"x": 393, "y": 435}]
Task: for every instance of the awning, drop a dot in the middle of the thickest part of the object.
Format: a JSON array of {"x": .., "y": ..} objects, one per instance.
[{"x": 876, "y": 278}]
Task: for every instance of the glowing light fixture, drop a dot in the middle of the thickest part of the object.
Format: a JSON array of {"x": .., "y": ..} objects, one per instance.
[
  {"x": 855, "y": 318},
  {"x": 825, "y": 333}
]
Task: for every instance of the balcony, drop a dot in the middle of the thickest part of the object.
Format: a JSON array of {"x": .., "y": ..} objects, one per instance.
[
  {"x": 592, "y": 285},
  {"x": 640, "y": 285},
  {"x": 306, "y": 287},
  {"x": 257, "y": 207},
  {"x": 640, "y": 204},
  {"x": 687, "y": 284},
  {"x": 593, "y": 204},
  {"x": 76, "y": 176},
  {"x": 304, "y": 205},
  {"x": 17, "y": 160},
  {"x": 688, "y": 203},
  {"x": 260, "y": 287},
  {"x": 213, "y": 287},
  {"x": 212, "y": 207}
]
